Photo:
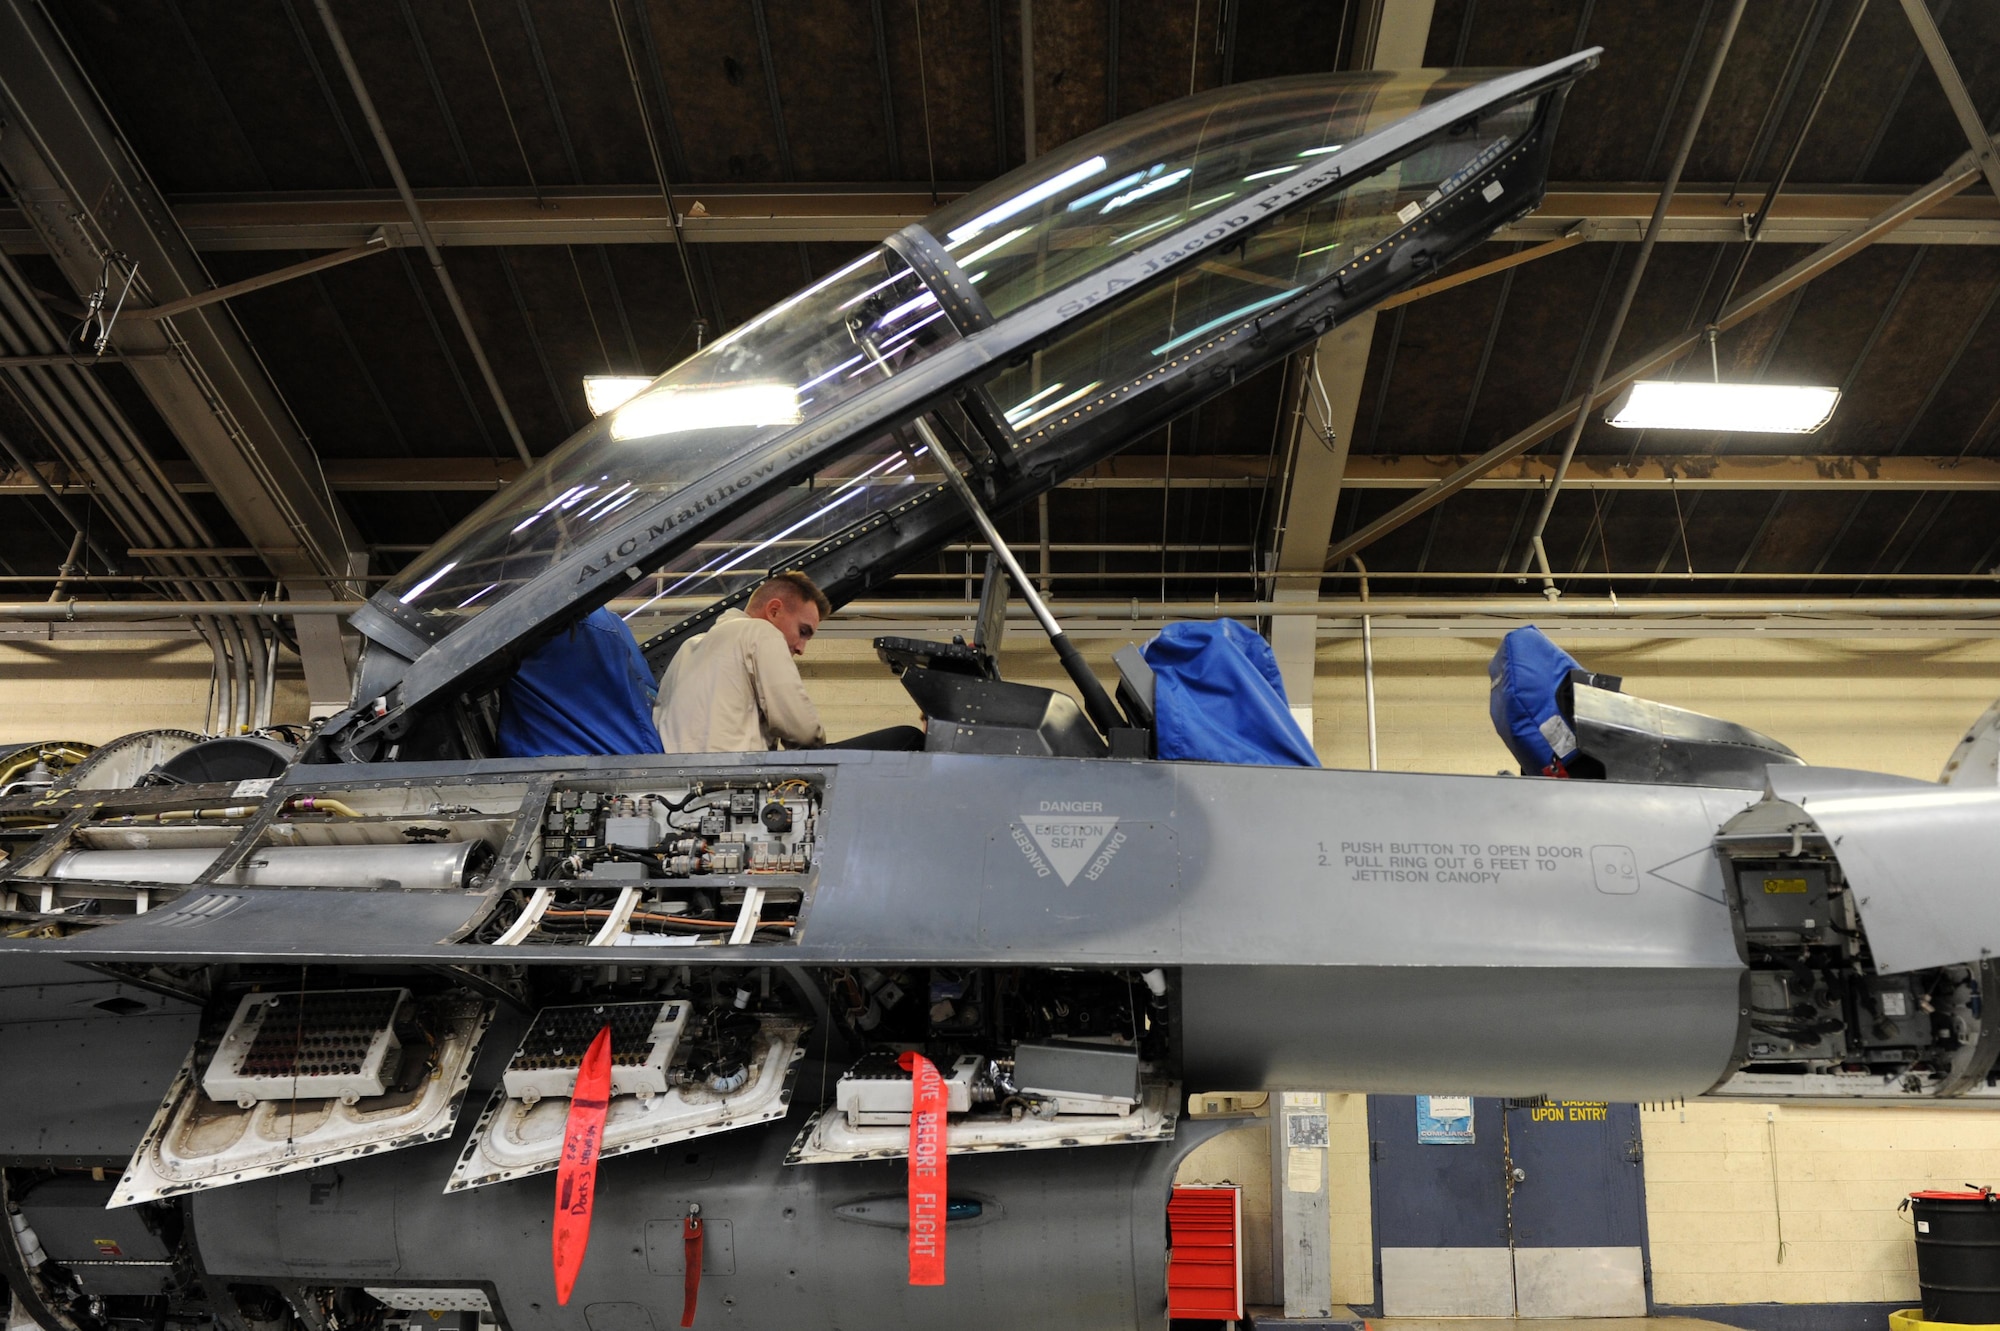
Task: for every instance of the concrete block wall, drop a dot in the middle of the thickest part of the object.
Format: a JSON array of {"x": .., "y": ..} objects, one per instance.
[
  {"x": 96, "y": 689},
  {"x": 1242, "y": 1156},
  {"x": 1784, "y": 1204}
]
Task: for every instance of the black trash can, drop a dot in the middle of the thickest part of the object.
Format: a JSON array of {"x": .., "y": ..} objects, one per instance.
[{"x": 1958, "y": 1254}]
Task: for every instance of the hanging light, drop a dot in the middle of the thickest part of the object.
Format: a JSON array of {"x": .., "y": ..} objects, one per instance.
[
  {"x": 1654, "y": 404},
  {"x": 673, "y": 409},
  {"x": 606, "y": 392}
]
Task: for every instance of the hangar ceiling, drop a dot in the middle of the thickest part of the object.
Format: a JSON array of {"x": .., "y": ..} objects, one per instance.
[{"x": 535, "y": 133}]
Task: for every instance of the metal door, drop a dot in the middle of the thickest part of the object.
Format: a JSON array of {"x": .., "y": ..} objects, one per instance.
[
  {"x": 1541, "y": 1214},
  {"x": 1440, "y": 1215},
  {"x": 1576, "y": 1205}
]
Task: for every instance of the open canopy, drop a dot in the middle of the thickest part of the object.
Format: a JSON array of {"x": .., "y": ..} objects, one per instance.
[{"x": 1040, "y": 323}]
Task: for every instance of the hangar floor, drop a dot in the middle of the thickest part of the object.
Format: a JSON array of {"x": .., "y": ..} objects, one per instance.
[{"x": 1267, "y": 1319}]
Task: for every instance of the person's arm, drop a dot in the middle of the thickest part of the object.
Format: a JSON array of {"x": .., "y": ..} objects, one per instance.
[{"x": 788, "y": 710}]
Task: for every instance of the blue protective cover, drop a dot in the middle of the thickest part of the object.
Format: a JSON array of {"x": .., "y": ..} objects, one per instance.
[
  {"x": 587, "y": 690},
  {"x": 1217, "y": 697},
  {"x": 1526, "y": 672}
]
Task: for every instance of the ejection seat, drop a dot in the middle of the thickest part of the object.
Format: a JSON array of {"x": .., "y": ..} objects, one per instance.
[
  {"x": 968, "y": 708},
  {"x": 1559, "y": 719}
]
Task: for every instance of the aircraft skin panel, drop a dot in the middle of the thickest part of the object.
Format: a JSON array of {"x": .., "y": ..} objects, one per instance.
[
  {"x": 1078, "y": 1246},
  {"x": 81, "y": 1090},
  {"x": 1617, "y": 1034},
  {"x": 1918, "y": 856},
  {"x": 941, "y": 857}
]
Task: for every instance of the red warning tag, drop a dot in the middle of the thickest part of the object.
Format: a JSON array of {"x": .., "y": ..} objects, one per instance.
[
  {"x": 691, "y": 1231},
  {"x": 927, "y": 1187},
  {"x": 576, "y": 1176}
]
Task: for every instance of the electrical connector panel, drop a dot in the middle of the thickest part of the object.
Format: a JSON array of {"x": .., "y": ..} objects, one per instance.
[
  {"x": 723, "y": 830},
  {"x": 644, "y": 1037},
  {"x": 671, "y": 863},
  {"x": 337, "y": 1044}
]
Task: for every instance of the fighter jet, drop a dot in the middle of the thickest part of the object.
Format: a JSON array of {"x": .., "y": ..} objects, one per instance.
[{"x": 299, "y": 1036}]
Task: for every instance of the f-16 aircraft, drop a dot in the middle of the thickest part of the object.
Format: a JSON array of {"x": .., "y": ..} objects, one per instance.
[{"x": 292, "y": 1033}]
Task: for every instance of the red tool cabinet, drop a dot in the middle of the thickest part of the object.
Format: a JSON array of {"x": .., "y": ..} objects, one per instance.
[{"x": 1205, "y": 1261}]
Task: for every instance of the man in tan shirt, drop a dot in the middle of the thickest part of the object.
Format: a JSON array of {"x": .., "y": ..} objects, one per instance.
[{"x": 735, "y": 689}]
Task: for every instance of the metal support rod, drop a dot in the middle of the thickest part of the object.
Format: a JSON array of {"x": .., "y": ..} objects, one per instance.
[
  {"x": 388, "y": 151},
  {"x": 68, "y": 568},
  {"x": 81, "y": 361},
  {"x": 1956, "y": 177},
  {"x": 378, "y": 245},
  {"x": 1095, "y": 700},
  {"x": 1777, "y": 185},
  {"x": 659, "y": 167},
  {"x": 1028, "y": 80},
  {"x": 48, "y": 492},
  {"x": 1962, "y": 105},
  {"x": 1653, "y": 228},
  {"x": 1368, "y": 666},
  {"x": 1576, "y": 236}
]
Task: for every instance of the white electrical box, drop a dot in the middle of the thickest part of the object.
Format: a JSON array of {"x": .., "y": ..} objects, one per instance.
[
  {"x": 876, "y": 1092},
  {"x": 338, "y": 1044},
  {"x": 643, "y": 1039}
]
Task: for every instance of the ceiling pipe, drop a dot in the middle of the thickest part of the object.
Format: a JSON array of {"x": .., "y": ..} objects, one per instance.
[
  {"x": 1535, "y": 553},
  {"x": 395, "y": 166},
  {"x": 1883, "y": 607}
]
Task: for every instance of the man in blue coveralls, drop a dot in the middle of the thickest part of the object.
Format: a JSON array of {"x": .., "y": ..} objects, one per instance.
[{"x": 585, "y": 691}]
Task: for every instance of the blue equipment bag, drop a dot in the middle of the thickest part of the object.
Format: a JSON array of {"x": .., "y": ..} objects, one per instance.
[
  {"x": 1218, "y": 698},
  {"x": 1527, "y": 673},
  {"x": 587, "y": 690}
]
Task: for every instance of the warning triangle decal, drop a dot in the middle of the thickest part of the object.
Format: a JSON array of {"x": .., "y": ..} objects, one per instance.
[{"x": 1067, "y": 841}]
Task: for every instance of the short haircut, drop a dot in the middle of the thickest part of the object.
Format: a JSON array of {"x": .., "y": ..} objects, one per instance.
[{"x": 794, "y": 587}]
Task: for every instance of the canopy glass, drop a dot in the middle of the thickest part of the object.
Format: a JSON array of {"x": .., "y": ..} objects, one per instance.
[{"x": 1032, "y": 232}]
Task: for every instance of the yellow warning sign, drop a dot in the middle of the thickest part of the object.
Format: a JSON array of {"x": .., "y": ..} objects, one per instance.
[
  {"x": 1773, "y": 886},
  {"x": 1570, "y": 1111}
]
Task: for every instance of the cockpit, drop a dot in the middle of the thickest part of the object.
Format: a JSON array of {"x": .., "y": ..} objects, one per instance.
[{"x": 956, "y": 371}]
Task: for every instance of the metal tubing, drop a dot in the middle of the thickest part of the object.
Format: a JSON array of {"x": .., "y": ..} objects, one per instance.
[
  {"x": 264, "y": 698},
  {"x": 434, "y": 866},
  {"x": 1695, "y": 117},
  {"x": 41, "y": 612},
  {"x": 409, "y": 198}
]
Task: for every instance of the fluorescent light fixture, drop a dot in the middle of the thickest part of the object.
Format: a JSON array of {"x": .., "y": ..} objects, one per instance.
[
  {"x": 1722, "y": 408},
  {"x": 1026, "y": 199},
  {"x": 674, "y": 410},
  {"x": 608, "y": 392}
]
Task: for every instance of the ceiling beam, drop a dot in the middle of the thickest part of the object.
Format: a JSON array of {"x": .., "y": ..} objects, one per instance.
[
  {"x": 92, "y": 199},
  {"x": 1316, "y": 422},
  {"x": 1962, "y": 105},
  {"x": 1230, "y": 471},
  {"x": 725, "y": 214},
  {"x": 1956, "y": 177}
]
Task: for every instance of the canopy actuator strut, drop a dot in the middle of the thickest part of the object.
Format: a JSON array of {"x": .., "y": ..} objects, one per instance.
[{"x": 1096, "y": 701}]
